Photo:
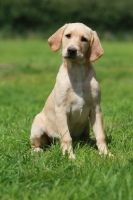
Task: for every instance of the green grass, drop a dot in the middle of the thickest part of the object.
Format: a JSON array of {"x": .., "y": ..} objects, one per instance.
[{"x": 27, "y": 74}]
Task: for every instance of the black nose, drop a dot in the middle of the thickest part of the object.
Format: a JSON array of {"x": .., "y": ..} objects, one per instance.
[{"x": 72, "y": 51}]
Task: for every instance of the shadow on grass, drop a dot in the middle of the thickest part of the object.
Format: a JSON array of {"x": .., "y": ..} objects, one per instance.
[{"x": 76, "y": 141}]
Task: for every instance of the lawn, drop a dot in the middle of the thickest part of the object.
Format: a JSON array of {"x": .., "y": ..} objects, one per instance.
[{"x": 28, "y": 70}]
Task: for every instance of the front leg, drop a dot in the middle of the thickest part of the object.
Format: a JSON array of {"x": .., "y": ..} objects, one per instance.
[
  {"x": 97, "y": 125},
  {"x": 65, "y": 138}
]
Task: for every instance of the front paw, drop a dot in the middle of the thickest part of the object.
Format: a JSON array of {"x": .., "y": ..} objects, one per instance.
[
  {"x": 72, "y": 156},
  {"x": 103, "y": 150},
  {"x": 67, "y": 147},
  {"x": 106, "y": 153}
]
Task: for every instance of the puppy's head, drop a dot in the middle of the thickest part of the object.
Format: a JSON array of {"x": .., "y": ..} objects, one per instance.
[{"x": 78, "y": 42}]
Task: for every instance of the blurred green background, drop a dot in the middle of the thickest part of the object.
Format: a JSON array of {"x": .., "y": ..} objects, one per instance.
[
  {"x": 28, "y": 70},
  {"x": 111, "y": 19}
]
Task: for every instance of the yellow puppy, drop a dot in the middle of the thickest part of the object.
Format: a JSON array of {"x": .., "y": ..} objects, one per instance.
[{"x": 75, "y": 100}]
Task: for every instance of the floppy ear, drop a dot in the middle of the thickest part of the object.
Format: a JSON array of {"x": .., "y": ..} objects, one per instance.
[
  {"x": 96, "y": 47},
  {"x": 56, "y": 39}
]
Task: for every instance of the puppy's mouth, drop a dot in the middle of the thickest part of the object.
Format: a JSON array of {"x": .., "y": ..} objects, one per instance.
[{"x": 71, "y": 57}]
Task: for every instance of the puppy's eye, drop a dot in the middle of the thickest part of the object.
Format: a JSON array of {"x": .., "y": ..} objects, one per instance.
[
  {"x": 68, "y": 36},
  {"x": 83, "y": 39}
]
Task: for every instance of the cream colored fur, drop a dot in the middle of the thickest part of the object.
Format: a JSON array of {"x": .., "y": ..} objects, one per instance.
[{"x": 75, "y": 100}]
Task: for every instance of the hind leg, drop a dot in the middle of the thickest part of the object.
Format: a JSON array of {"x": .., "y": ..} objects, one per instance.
[{"x": 38, "y": 137}]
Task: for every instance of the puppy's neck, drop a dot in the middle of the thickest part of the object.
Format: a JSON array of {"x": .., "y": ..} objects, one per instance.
[{"x": 77, "y": 68}]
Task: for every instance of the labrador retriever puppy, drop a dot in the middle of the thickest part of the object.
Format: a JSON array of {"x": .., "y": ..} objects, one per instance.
[{"x": 74, "y": 102}]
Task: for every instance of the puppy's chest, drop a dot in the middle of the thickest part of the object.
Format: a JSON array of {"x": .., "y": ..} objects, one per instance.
[{"x": 79, "y": 98}]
